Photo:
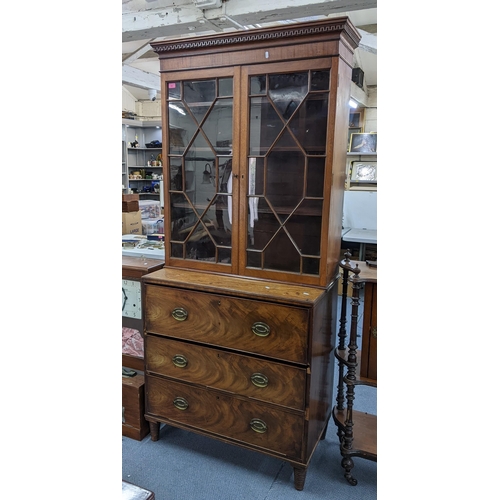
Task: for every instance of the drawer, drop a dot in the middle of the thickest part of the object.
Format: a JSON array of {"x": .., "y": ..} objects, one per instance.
[
  {"x": 257, "y": 379},
  {"x": 248, "y": 422},
  {"x": 272, "y": 330}
]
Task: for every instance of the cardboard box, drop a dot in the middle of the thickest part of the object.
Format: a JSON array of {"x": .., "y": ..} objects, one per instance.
[
  {"x": 131, "y": 222},
  {"x": 130, "y": 206},
  {"x": 130, "y": 197}
]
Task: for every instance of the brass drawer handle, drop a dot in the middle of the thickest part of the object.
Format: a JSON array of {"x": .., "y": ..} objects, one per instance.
[
  {"x": 180, "y": 361},
  {"x": 261, "y": 329},
  {"x": 181, "y": 403},
  {"x": 123, "y": 414},
  {"x": 259, "y": 380},
  {"x": 180, "y": 314},
  {"x": 258, "y": 425}
]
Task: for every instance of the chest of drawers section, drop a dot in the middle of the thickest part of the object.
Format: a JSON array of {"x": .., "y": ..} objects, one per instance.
[{"x": 248, "y": 362}]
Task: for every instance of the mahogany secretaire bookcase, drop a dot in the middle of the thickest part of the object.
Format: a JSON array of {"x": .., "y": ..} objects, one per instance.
[{"x": 239, "y": 324}]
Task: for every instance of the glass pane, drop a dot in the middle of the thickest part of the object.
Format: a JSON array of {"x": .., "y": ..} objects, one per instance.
[
  {"x": 310, "y": 266},
  {"x": 200, "y": 150},
  {"x": 254, "y": 259},
  {"x": 309, "y": 124},
  {"x": 199, "y": 91},
  {"x": 257, "y": 85},
  {"x": 287, "y": 91},
  {"x": 199, "y": 245},
  {"x": 218, "y": 126},
  {"x": 304, "y": 227},
  {"x": 265, "y": 125},
  {"x": 281, "y": 255},
  {"x": 256, "y": 176},
  {"x": 176, "y": 250},
  {"x": 224, "y": 255},
  {"x": 320, "y": 80},
  {"x": 223, "y": 216},
  {"x": 200, "y": 171},
  {"x": 199, "y": 96},
  {"x": 264, "y": 227},
  {"x": 182, "y": 216},
  {"x": 315, "y": 177},
  {"x": 284, "y": 184},
  {"x": 173, "y": 90},
  {"x": 225, "y": 87}
]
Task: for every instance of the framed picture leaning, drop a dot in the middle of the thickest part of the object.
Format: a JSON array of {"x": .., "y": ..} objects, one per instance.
[{"x": 363, "y": 143}]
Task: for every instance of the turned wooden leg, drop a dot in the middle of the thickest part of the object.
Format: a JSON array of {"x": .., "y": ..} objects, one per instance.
[
  {"x": 348, "y": 465},
  {"x": 299, "y": 478},
  {"x": 154, "y": 429}
]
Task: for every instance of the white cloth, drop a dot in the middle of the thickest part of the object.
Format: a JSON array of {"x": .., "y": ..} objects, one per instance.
[
  {"x": 230, "y": 198},
  {"x": 253, "y": 201}
]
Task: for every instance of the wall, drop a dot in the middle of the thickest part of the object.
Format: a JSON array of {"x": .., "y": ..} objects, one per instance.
[
  {"x": 128, "y": 101},
  {"x": 371, "y": 110},
  {"x": 145, "y": 110}
]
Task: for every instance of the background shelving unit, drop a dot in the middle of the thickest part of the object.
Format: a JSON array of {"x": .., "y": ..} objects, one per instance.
[
  {"x": 124, "y": 167},
  {"x": 136, "y": 159}
]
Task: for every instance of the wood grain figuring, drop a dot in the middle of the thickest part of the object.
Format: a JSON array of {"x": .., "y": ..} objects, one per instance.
[
  {"x": 226, "y": 416},
  {"x": 229, "y": 372},
  {"x": 219, "y": 320}
]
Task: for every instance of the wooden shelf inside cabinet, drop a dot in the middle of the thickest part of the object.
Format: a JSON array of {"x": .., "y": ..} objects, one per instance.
[{"x": 357, "y": 431}]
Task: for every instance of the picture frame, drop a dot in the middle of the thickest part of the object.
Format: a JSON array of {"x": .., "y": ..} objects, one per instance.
[
  {"x": 363, "y": 143},
  {"x": 350, "y": 132},
  {"x": 363, "y": 172}
]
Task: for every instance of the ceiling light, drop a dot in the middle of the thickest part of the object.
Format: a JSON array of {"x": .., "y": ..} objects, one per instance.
[{"x": 353, "y": 103}]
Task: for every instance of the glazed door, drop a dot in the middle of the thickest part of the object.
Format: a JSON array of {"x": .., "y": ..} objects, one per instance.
[
  {"x": 201, "y": 142},
  {"x": 285, "y": 156},
  {"x": 247, "y": 155}
]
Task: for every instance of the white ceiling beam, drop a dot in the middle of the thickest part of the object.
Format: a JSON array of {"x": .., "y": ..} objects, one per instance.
[
  {"x": 183, "y": 19},
  {"x": 368, "y": 41},
  {"x": 138, "y": 53},
  {"x": 359, "y": 95},
  {"x": 138, "y": 78}
]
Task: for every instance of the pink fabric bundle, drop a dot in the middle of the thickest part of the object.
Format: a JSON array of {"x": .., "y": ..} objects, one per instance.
[{"x": 132, "y": 342}]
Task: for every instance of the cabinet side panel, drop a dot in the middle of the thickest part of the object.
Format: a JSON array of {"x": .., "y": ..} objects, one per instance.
[
  {"x": 322, "y": 366},
  {"x": 341, "y": 122}
]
